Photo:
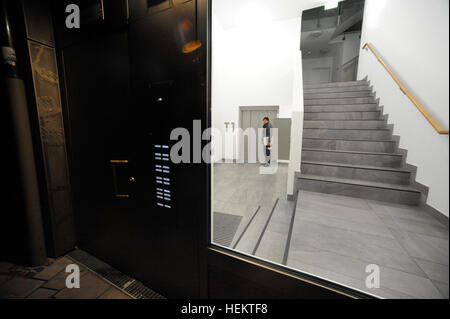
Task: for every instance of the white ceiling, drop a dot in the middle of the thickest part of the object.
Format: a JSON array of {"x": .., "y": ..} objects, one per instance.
[
  {"x": 227, "y": 10},
  {"x": 316, "y": 45}
]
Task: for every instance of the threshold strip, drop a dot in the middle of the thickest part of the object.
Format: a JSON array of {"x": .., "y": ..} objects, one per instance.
[
  {"x": 130, "y": 286},
  {"x": 265, "y": 227},
  {"x": 291, "y": 229},
  {"x": 246, "y": 227}
]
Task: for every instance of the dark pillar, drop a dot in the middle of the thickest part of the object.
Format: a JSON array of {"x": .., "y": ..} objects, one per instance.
[{"x": 21, "y": 217}]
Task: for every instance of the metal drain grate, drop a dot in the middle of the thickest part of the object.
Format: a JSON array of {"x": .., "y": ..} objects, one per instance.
[
  {"x": 133, "y": 287},
  {"x": 225, "y": 228}
]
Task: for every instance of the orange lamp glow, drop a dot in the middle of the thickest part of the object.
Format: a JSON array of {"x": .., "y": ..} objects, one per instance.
[{"x": 192, "y": 46}]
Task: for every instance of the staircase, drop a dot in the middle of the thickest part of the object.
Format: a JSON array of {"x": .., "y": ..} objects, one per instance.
[{"x": 349, "y": 149}]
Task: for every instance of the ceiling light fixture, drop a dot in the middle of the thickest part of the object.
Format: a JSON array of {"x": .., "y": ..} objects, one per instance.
[{"x": 317, "y": 34}]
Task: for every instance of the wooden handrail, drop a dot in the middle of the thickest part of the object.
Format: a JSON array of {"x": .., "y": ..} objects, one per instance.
[{"x": 403, "y": 88}]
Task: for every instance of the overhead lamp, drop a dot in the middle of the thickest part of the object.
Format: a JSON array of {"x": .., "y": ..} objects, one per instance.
[{"x": 317, "y": 34}]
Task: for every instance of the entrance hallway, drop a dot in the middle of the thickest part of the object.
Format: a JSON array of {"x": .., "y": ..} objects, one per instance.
[{"x": 335, "y": 237}]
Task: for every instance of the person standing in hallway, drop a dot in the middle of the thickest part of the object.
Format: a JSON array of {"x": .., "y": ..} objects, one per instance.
[{"x": 267, "y": 140}]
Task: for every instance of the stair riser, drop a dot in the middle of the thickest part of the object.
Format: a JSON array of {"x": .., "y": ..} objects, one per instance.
[
  {"x": 380, "y": 176},
  {"x": 344, "y": 116},
  {"x": 343, "y": 95},
  {"x": 349, "y": 125},
  {"x": 338, "y": 89},
  {"x": 374, "y": 135},
  {"x": 359, "y": 191},
  {"x": 357, "y": 146},
  {"x": 391, "y": 161},
  {"x": 343, "y": 108},
  {"x": 335, "y": 85},
  {"x": 333, "y": 101}
]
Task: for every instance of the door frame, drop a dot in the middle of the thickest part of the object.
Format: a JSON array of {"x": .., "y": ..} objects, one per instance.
[
  {"x": 275, "y": 280},
  {"x": 268, "y": 108}
]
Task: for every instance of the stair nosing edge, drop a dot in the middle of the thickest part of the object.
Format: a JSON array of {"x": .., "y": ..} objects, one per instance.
[
  {"x": 367, "y": 167},
  {"x": 349, "y": 140},
  {"x": 357, "y": 182},
  {"x": 347, "y": 129},
  {"x": 350, "y": 152}
]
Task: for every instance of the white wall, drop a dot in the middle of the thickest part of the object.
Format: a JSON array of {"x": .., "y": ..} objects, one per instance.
[
  {"x": 255, "y": 65},
  {"x": 412, "y": 37}
]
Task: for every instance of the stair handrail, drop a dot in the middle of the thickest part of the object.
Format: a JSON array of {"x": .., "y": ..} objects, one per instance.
[{"x": 403, "y": 88}]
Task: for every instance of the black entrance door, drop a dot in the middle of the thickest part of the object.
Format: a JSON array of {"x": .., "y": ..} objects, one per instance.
[{"x": 127, "y": 87}]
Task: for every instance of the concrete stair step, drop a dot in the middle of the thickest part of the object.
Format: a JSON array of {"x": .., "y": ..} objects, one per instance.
[
  {"x": 347, "y": 124},
  {"x": 338, "y": 95},
  {"x": 251, "y": 237},
  {"x": 351, "y": 145},
  {"x": 374, "y": 115},
  {"x": 343, "y": 108},
  {"x": 393, "y": 193},
  {"x": 352, "y": 157},
  {"x": 348, "y": 134},
  {"x": 348, "y": 146},
  {"x": 364, "y": 87},
  {"x": 340, "y": 101},
  {"x": 274, "y": 240},
  {"x": 357, "y": 172},
  {"x": 335, "y": 85}
]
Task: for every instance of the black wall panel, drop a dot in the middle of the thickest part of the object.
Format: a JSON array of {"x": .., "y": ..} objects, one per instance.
[
  {"x": 98, "y": 100},
  {"x": 97, "y": 17},
  {"x": 161, "y": 70},
  {"x": 127, "y": 89}
]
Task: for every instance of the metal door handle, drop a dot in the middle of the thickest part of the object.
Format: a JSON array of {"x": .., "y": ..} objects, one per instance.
[{"x": 117, "y": 192}]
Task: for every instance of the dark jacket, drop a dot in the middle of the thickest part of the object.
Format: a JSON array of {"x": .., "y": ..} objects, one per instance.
[{"x": 268, "y": 133}]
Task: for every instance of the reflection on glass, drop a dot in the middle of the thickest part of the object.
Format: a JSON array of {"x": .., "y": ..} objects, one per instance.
[{"x": 192, "y": 46}]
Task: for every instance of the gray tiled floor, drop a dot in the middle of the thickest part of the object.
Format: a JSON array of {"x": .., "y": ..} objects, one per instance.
[
  {"x": 336, "y": 237},
  {"x": 240, "y": 189},
  {"x": 18, "y": 288},
  {"x": 48, "y": 282},
  {"x": 92, "y": 288}
]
